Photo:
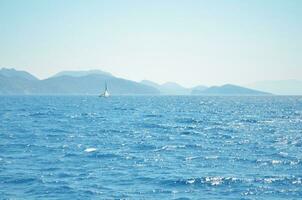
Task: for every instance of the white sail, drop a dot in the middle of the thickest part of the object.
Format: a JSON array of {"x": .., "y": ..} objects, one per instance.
[{"x": 106, "y": 93}]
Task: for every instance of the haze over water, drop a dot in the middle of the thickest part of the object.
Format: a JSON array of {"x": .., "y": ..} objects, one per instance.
[{"x": 168, "y": 147}]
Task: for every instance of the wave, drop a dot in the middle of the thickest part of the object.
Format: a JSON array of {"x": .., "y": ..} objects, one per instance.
[
  {"x": 223, "y": 181},
  {"x": 188, "y": 121}
]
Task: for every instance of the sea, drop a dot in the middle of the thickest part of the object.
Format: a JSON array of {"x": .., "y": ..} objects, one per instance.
[{"x": 150, "y": 147}]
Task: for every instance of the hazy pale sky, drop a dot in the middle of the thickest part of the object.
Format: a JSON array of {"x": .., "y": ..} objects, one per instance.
[{"x": 190, "y": 42}]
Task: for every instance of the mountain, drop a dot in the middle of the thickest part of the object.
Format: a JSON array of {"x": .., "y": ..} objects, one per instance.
[
  {"x": 16, "y": 82},
  {"x": 150, "y": 83},
  {"x": 168, "y": 88},
  {"x": 198, "y": 89},
  {"x": 67, "y": 84},
  {"x": 281, "y": 87},
  {"x": 12, "y": 73},
  {"x": 15, "y": 85},
  {"x": 229, "y": 90},
  {"x": 81, "y": 73},
  {"x": 174, "y": 89},
  {"x": 93, "y": 81},
  {"x": 94, "y": 84}
]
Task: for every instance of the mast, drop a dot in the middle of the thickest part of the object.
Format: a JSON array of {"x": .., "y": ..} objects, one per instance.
[{"x": 106, "y": 93}]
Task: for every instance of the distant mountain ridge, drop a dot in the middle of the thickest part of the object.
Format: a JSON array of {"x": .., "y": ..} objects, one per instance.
[
  {"x": 198, "y": 89},
  {"x": 171, "y": 88},
  {"x": 92, "y": 82},
  {"x": 168, "y": 88},
  {"x": 19, "y": 82},
  {"x": 228, "y": 90},
  {"x": 11, "y": 72}
]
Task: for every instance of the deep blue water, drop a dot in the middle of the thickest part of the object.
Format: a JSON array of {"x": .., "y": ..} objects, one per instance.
[{"x": 84, "y": 147}]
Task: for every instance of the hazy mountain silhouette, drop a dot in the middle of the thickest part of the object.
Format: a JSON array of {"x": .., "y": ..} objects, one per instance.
[
  {"x": 228, "y": 90},
  {"x": 16, "y": 85},
  {"x": 18, "y": 82},
  {"x": 168, "y": 88},
  {"x": 198, "y": 89},
  {"x": 9, "y": 73},
  {"x": 175, "y": 89},
  {"x": 150, "y": 83},
  {"x": 281, "y": 87},
  {"x": 93, "y": 82}
]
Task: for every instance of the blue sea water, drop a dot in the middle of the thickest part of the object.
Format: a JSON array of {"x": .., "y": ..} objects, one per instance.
[{"x": 165, "y": 147}]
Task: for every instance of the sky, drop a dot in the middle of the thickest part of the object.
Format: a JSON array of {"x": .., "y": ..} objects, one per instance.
[{"x": 191, "y": 42}]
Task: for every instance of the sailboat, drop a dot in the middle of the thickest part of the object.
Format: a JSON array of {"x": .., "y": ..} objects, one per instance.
[{"x": 106, "y": 93}]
